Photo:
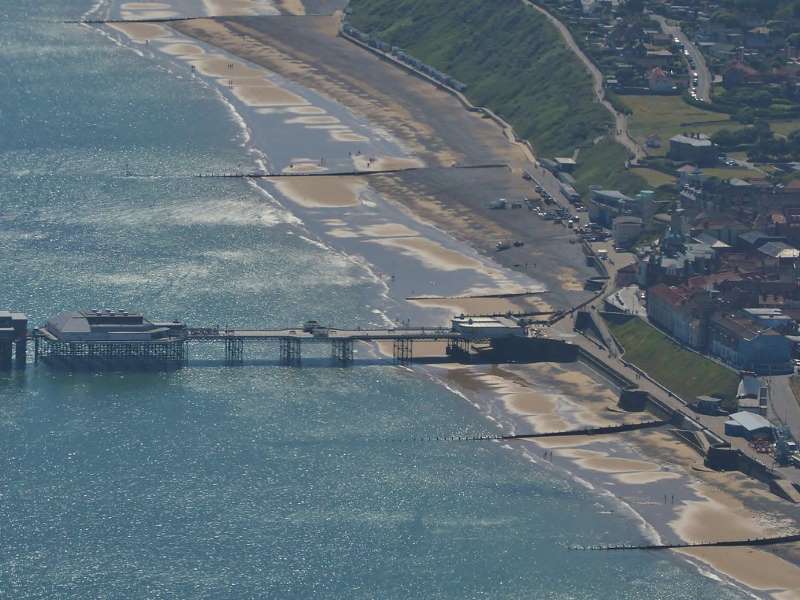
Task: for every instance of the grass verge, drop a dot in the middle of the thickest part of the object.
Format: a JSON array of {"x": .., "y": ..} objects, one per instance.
[
  {"x": 685, "y": 373},
  {"x": 654, "y": 178}
]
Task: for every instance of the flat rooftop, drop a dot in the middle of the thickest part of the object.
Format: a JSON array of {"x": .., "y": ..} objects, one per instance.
[{"x": 109, "y": 325}]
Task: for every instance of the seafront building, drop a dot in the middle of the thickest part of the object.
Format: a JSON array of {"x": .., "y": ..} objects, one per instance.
[
  {"x": 94, "y": 337},
  {"x": 748, "y": 345}
]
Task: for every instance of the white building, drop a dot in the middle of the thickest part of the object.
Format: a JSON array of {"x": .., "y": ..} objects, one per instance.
[{"x": 483, "y": 328}]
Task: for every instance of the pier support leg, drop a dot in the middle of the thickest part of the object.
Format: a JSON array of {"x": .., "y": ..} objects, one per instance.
[
  {"x": 21, "y": 352},
  {"x": 403, "y": 350},
  {"x": 234, "y": 351},
  {"x": 290, "y": 351},
  {"x": 5, "y": 354},
  {"x": 459, "y": 348},
  {"x": 342, "y": 350}
]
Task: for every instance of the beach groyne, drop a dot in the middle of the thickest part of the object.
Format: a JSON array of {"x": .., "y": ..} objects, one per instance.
[
  {"x": 262, "y": 175},
  {"x": 588, "y": 431},
  {"x": 765, "y": 541}
]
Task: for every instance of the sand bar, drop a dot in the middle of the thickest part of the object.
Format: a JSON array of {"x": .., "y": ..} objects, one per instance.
[
  {"x": 142, "y": 32},
  {"x": 322, "y": 192},
  {"x": 220, "y": 66},
  {"x": 145, "y": 6},
  {"x": 183, "y": 50},
  {"x": 221, "y": 8},
  {"x": 148, "y": 14},
  {"x": 306, "y": 110},
  {"x": 266, "y": 94},
  {"x": 348, "y": 136},
  {"x": 385, "y": 163},
  {"x": 646, "y": 477},
  {"x": 313, "y": 120}
]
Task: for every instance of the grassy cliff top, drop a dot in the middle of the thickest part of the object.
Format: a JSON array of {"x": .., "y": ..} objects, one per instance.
[{"x": 510, "y": 56}]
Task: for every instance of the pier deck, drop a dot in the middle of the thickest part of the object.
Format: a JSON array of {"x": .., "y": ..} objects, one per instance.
[
  {"x": 325, "y": 334},
  {"x": 340, "y": 340}
]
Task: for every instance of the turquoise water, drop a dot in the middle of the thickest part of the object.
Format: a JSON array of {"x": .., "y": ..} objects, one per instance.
[{"x": 216, "y": 482}]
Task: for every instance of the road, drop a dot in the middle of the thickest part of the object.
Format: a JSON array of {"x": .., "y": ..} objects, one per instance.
[
  {"x": 621, "y": 134},
  {"x": 703, "y": 88},
  {"x": 782, "y": 404}
]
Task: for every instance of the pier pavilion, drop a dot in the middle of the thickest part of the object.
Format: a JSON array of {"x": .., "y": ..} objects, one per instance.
[{"x": 97, "y": 338}]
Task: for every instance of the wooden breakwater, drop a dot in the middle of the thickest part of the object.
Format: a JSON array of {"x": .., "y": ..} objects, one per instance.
[
  {"x": 262, "y": 175},
  {"x": 569, "y": 432},
  {"x": 114, "y": 21},
  {"x": 765, "y": 541}
]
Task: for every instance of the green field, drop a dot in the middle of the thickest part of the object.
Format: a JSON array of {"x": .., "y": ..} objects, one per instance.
[
  {"x": 654, "y": 178},
  {"x": 666, "y": 116},
  {"x": 784, "y": 128},
  {"x": 741, "y": 173},
  {"x": 603, "y": 164},
  {"x": 685, "y": 373},
  {"x": 509, "y": 55}
]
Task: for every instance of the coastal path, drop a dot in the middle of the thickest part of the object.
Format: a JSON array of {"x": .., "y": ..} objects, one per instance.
[{"x": 621, "y": 133}]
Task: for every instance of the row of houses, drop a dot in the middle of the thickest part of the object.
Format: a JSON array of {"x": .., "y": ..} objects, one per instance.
[{"x": 761, "y": 340}]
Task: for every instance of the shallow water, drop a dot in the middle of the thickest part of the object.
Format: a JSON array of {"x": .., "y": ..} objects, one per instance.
[{"x": 258, "y": 481}]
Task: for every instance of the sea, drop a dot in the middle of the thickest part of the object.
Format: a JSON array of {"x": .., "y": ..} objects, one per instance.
[{"x": 260, "y": 481}]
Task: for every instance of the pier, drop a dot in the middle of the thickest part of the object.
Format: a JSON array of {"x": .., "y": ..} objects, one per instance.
[{"x": 101, "y": 338}]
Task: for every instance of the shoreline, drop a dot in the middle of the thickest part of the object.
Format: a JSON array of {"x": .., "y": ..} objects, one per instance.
[{"x": 387, "y": 241}]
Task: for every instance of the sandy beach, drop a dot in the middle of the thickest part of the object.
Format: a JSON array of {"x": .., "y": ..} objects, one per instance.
[{"x": 429, "y": 236}]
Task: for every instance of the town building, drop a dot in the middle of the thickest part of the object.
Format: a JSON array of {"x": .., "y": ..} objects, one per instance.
[
  {"x": 748, "y": 345},
  {"x": 680, "y": 312},
  {"x": 565, "y": 164},
  {"x": 659, "y": 82},
  {"x": 695, "y": 148},
  {"x": 606, "y": 205},
  {"x": 626, "y": 231},
  {"x": 482, "y": 328},
  {"x": 772, "y": 317},
  {"x": 748, "y": 425}
]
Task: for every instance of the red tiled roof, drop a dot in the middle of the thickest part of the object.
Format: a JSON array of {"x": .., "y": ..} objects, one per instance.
[
  {"x": 699, "y": 282},
  {"x": 676, "y": 296}
]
